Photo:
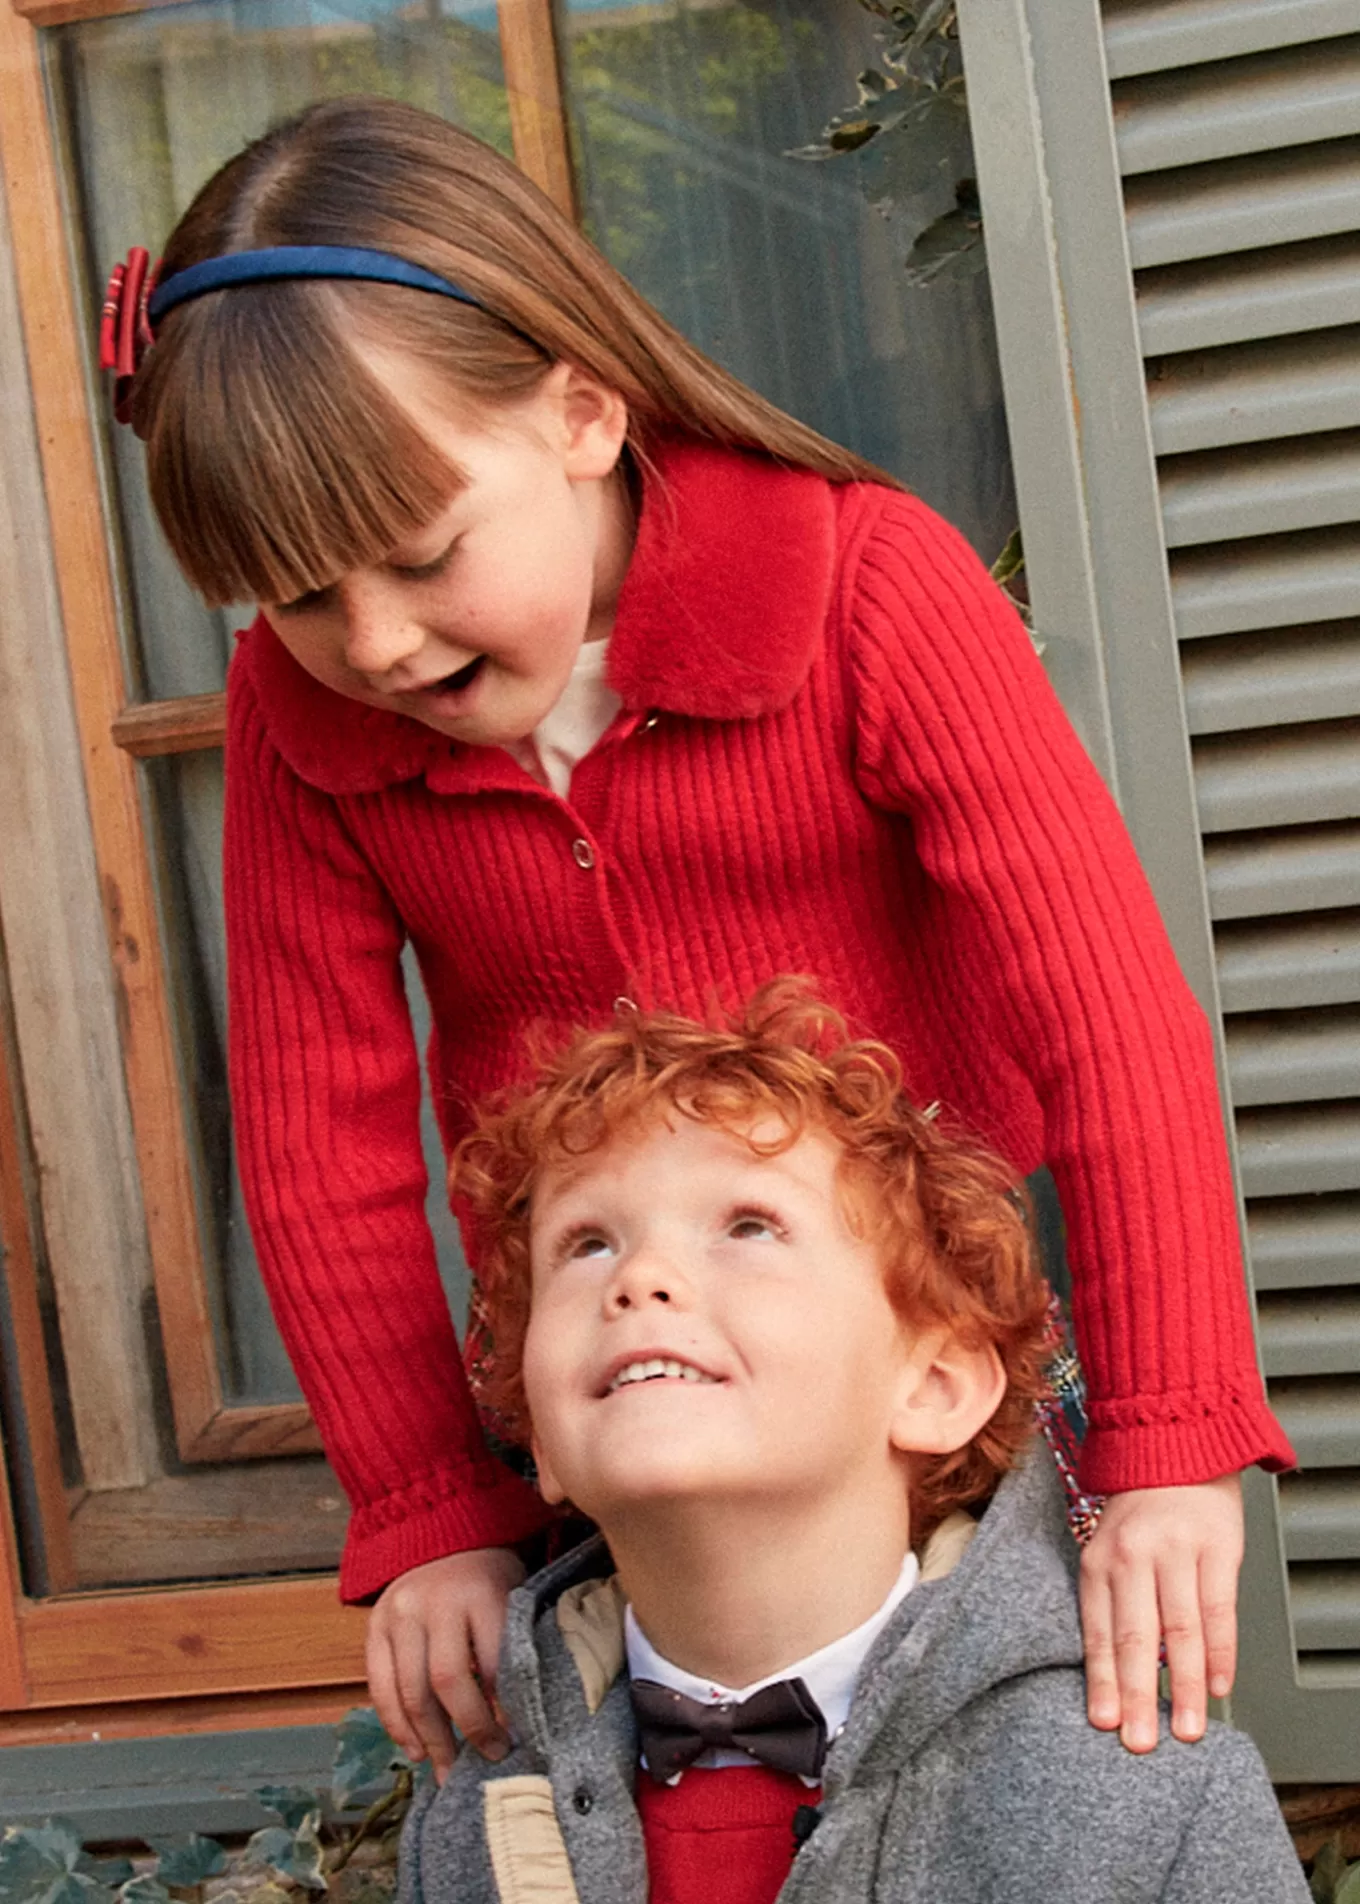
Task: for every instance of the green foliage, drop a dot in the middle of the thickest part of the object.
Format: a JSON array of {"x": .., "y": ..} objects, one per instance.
[
  {"x": 46, "y": 1864},
  {"x": 915, "y": 102},
  {"x": 1332, "y": 1880}
]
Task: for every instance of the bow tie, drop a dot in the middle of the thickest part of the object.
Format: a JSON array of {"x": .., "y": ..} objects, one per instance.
[{"x": 781, "y": 1725}]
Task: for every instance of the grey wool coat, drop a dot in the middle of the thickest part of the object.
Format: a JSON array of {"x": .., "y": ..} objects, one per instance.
[{"x": 965, "y": 1774}]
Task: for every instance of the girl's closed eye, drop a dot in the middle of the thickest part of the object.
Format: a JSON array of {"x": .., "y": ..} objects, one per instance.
[{"x": 426, "y": 571}]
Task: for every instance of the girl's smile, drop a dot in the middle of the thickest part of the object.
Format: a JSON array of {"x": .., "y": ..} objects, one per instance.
[{"x": 473, "y": 625}]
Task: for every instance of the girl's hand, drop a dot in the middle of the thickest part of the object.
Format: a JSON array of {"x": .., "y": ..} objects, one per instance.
[
  {"x": 434, "y": 1637},
  {"x": 1162, "y": 1563}
]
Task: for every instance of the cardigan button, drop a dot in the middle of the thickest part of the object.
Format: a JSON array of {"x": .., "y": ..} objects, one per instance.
[
  {"x": 582, "y": 1801},
  {"x": 650, "y": 722},
  {"x": 622, "y": 1004},
  {"x": 584, "y": 854}
]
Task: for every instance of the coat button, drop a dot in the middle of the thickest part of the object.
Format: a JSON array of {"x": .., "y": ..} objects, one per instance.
[
  {"x": 584, "y": 854},
  {"x": 583, "y": 1801}
]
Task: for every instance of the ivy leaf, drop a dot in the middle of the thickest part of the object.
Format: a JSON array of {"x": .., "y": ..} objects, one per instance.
[
  {"x": 289, "y": 1802},
  {"x": 852, "y": 135},
  {"x": 1329, "y": 1867},
  {"x": 38, "y": 1866},
  {"x": 1010, "y": 561},
  {"x": 144, "y": 1890},
  {"x": 1348, "y": 1890},
  {"x": 110, "y": 1871},
  {"x": 364, "y": 1753},
  {"x": 950, "y": 243},
  {"x": 294, "y": 1855},
  {"x": 185, "y": 1862}
]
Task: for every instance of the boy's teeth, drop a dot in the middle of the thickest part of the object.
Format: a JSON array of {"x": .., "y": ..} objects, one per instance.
[{"x": 654, "y": 1366}]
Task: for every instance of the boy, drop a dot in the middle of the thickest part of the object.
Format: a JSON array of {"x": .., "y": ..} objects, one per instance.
[{"x": 776, "y": 1332}]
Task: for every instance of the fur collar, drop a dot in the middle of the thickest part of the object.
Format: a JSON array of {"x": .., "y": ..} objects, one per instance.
[{"x": 721, "y": 616}]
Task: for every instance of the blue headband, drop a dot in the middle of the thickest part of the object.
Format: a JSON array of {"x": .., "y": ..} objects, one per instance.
[{"x": 297, "y": 261}]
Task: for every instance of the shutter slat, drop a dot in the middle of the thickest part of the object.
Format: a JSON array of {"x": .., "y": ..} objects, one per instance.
[
  {"x": 1267, "y": 582},
  {"x": 1288, "y": 776},
  {"x": 1289, "y": 386},
  {"x": 1305, "y": 869},
  {"x": 1244, "y": 204},
  {"x": 1321, "y": 1416},
  {"x": 1305, "y": 962},
  {"x": 1304, "y": 1242},
  {"x": 1143, "y": 39},
  {"x": 1329, "y": 1672},
  {"x": 1276, "y": 679},
  {"x": 1254, "y": 294},
  {"x": 1293, "y": 1056},
  {"x": 1325, "y": 1608},
  {"x": 1320, "y": 1515},
  {"x": 1299, "y": 1150},
  {"x": 1260, "y": 490},
  {"x": 1291, "y": 97},
  {"x": 1314, "y": 1332}
]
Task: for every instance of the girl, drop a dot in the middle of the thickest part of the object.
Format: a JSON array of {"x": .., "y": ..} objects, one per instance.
[{"x": 605, "y": 683}]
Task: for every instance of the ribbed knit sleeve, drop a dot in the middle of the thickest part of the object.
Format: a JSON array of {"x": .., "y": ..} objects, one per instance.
[
  {"x": 326, "y": 1098},
  {"x": 1046, "y": 937}
]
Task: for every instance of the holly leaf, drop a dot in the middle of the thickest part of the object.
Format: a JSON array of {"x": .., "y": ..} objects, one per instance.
[
  {"x": 289, "y": 1802},
  {"x": 294, "y": 1855},
  {"x": 364, "y": 1754},
  {"x": 185, "y": 1862}
]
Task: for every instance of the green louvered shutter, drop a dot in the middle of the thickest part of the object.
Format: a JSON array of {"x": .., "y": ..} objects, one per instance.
[{"x": 1191, "y": 262}]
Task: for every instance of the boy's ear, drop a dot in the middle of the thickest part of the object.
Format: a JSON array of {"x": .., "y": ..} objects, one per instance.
[
  {"x": 947, "y": 1394},
  {"x": 595, "y": 417}
]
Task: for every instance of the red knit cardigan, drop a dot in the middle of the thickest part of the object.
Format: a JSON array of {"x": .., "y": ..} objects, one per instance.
[{"x": 837, "y": 755}]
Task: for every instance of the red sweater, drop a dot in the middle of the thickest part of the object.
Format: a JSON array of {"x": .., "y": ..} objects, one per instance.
[
  {"x": 837, "y": 755},
  {"x": 721, "y": 1837}
]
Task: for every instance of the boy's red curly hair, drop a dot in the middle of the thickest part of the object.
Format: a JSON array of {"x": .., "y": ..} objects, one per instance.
[{"x": 948, "y": 1218}]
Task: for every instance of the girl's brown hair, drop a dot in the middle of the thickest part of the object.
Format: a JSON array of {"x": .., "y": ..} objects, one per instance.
[
  {"x": 277, "y": 459},
  {"x": 947, "y": 1219}
]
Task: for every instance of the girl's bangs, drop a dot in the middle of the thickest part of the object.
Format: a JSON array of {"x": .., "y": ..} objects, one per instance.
[{"x": 275, "y": 466}]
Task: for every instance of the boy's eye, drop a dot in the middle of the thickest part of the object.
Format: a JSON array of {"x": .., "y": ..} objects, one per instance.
[
  {"x": 581, "y": 1245},
  {"x": 751, "y": 1226}
]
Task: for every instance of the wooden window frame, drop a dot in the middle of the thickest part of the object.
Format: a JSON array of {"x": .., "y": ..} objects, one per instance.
[
  {"x": 207, "y": 1426},
  {"x": 221, "y": 1653}
]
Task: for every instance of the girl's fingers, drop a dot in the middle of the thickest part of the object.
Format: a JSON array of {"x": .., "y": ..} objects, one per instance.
[
  {"x": 1218, "y": 1605},
  {"x": 382, "y": 1685},
  {"x": 1137, "y": 1643},
  {"x": 1183, "y": 1632},
  {"x": 1097, "y": 1627}
]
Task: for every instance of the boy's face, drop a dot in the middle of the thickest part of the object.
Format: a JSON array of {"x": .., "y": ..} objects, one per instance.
[{"x": 706, "y": 1326}]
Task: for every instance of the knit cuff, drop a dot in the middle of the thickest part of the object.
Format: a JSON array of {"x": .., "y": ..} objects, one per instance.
[
  {"x": 448, "y": 1512},
  {"x": 1161, "y": 1442}
]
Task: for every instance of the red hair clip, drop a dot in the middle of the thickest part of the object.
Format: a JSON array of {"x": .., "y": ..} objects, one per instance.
[{"x": 125, "y": 324}]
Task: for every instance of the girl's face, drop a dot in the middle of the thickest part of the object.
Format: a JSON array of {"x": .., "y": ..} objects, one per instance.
[{"x": 472, "y": 626}]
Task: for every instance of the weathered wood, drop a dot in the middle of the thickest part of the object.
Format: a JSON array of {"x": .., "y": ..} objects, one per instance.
[
  {"x": 160, "y": 1644},
  {"x": 62, "y": 12},
  {"x": 286, "y": 1518},
  {"x": 13, "y": 1680},
  {"x": 181, "y": 726},
  {"x": 168, "y": 1718},
  {"x": 64, "y": 998},
  {"x": 18, "y": 1265},
  {"x": 70, "y": 478},
  {"x": 533, "y": 84}
]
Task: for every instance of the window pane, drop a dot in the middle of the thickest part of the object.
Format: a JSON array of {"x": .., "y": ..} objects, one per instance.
[
  {"x": 153, "y": 103},
  {"x": 788, "y": 271}
]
